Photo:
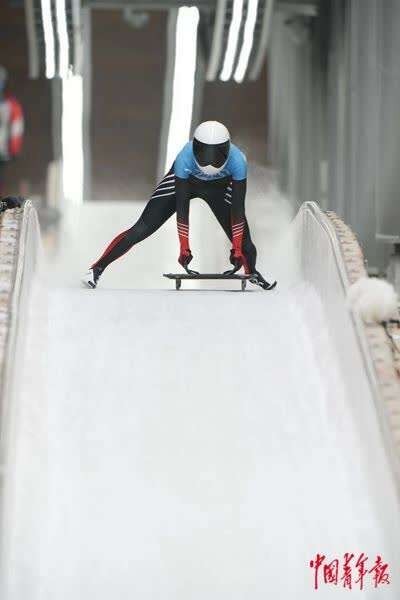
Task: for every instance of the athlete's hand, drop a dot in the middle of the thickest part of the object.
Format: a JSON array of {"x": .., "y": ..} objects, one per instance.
[
  {"x": 237, "y": 260},
  {"x": 184, "y": 259}
]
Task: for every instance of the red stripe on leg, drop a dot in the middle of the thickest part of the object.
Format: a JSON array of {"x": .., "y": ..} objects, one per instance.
[{"x": 111, "y": 246}]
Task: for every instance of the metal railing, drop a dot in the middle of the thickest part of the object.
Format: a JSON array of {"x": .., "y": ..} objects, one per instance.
[
  {"x": 323, "y": 266},
  {"x": 19, "y": 254}
]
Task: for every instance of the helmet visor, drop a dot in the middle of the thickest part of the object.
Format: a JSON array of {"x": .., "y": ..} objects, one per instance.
[{"x": 211, "y": 154}]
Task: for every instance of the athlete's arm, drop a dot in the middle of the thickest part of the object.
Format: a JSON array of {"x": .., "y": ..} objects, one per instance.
[
  {"x": 182, "y": 170},
  {"x": 238, "y": 216},
  {"x": 238, "y": 167},
  {"x": 182, "y": 219}
]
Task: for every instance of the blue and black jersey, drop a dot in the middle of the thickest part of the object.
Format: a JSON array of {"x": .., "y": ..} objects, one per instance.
[{"x": 235, "y": 167}]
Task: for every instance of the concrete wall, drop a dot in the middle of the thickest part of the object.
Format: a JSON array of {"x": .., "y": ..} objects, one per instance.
[
  {"x": 127, "y": 94},
  {"x": 243, "y": 108},
  {"x": 334, "y": 83}
]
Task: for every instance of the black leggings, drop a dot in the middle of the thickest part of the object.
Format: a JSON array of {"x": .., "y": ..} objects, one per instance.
[{"x": 162, "y": 205}]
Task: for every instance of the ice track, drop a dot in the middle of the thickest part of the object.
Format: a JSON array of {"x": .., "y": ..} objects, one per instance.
[{"x": 186, "y": 446}]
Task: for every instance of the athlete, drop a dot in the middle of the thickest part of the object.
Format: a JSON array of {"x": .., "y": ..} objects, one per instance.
[
  {"x": 209, "y": 167},
  {"x": 11, "y": 126}
]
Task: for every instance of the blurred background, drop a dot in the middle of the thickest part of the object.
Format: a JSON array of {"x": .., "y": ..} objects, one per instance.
[{"x": 110, "y": 90}]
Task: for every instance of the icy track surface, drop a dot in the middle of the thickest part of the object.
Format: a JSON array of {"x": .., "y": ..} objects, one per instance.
[{"x": 189, "y": 449}]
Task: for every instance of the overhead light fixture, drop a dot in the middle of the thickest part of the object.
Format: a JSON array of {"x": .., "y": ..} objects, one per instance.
[
  {"x": 217, "y": 41},
  {"x": 263, "y": 38},
  {"x": 233, "y": 38},
  {"x": 63, "y": 41},
  {"x": 248, "y": 39},
  {"x": 183, "y": 81},
  {"x": 48, "y": 32},
  {"x": 72, "y": 138}
]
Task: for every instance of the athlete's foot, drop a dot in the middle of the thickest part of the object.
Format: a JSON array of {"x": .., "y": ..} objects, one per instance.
[
  {"x": 91, "y": 277},
  {"x": 258, "y": 279}
]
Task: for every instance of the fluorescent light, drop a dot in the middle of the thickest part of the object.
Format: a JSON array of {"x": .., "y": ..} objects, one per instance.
[
  {"x": 63, "y": 42},
  {"x": 72, "y": 138},
  {"x": 233, "y": 38},
  {"x": 48, "y": 38},
  {"x": 218, "y": 40},
  {"x": 183, "y": 82},
  {"x": 248, "y": 39}
]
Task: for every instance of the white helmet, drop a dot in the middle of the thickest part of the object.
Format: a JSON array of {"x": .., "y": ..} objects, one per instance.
[{"x": 211, "y": 144}]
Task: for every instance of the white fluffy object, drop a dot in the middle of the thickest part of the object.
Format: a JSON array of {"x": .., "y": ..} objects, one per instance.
[{"x": 374, "y": 299}]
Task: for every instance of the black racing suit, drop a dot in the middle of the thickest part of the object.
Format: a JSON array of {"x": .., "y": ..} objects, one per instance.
[{"x": 224, "y": 196}]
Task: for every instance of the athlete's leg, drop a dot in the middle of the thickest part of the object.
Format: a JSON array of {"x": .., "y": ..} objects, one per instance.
[
  {"x": 219, "y": 201},
  {"x": 158, "y": 210}
]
